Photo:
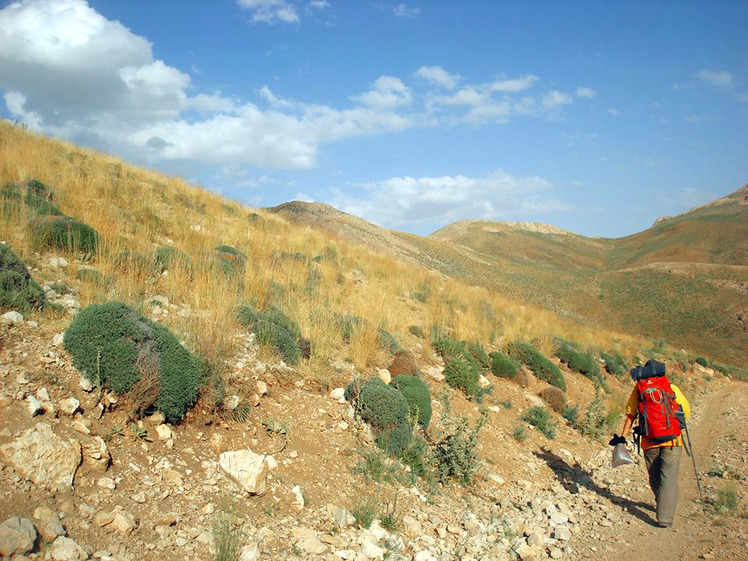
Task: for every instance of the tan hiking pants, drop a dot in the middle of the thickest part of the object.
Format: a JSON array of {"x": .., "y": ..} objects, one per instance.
[{"x": 662, "y": 465}]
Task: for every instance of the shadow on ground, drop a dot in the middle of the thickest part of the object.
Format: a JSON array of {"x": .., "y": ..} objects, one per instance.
[{"x": 574, "y": 477}]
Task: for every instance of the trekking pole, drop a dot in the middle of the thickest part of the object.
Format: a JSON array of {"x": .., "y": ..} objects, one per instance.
[{"x": 693, "y": 460}]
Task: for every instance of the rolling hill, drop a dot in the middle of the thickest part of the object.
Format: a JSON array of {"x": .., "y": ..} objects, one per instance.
[{"x": 684, "y": 280}]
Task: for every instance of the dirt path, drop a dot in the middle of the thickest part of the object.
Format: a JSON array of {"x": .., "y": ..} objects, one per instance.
[{"x": 719, "y": 432}]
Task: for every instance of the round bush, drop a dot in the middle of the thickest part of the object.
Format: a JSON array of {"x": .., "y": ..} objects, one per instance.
[
  {"x": 417, "y": 331},
  {"x": 275, "y": 335},
  {"x": 403, "y": 363},
  {"x": 118, "y": 349},
  {"x": 460, "y": 374},
  {"x": 503, "y": 366},
  {"x": 18, "y": 291},
  {"x": 167, "y": 257},
  {"x": 580, "y": 362},
  {"x": 63, "y": 233},
  {"x": 555, "y": 398},
  {"x": 231, "y": 259},
  {"x": 386, "y": 410},
  {"x": 543, "y": 368},
  {"x": 417, "y": 394},
  {"x": 479, "y": 353},
  {"x": 701, "y": 361}
]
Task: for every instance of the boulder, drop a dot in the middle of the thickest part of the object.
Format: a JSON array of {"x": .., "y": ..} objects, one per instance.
[
  {"x": 69, "y": 406},
  {"x": 11, "y": 318},
  {"x": 247, "y": 468},
  {"x": 17, "y": 536},
  {"x": 65, "y": 549},
  {"x": 48, "y": 523},
  {"x": 43, "y": 457}
]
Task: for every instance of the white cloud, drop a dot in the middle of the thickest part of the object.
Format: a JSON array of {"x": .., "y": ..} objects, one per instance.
[
  {"x": 270, "y": 11},
  {"x": 388, "y": 92},
  {"x": 513, "y": 85},
  {"x": 437, "y": 75},
  {"x": 586, "y": 93},
  {"x": 319, "y": 4},
  {"x": 720, "y": 79},
  {"x": 466, "y": 96},
  {"x": 613, "y": 111},
  {"x": 66, "y": 70},
  {"x": 402, "y": 202},
  {"x": 405, "y": 12},
  {"x": 556, "y": 99}
]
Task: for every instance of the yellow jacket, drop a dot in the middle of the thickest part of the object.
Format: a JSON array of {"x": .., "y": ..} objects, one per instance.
[{"x": 632, "y": 410}]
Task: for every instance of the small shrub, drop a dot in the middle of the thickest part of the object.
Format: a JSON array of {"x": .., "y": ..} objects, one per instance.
[
  {"x": 541, "y": 419},
  {"x": 115, "y": 348},
  {"x": 132, "y": 262},
  {"x": 38, "y": 199},
  {"x": 418, "y": 396},
  {"x": 387, "y": 341},
  {"x": 230, "y": 259},
  {"x": 167, "y": 257},
  {"x": 423, "y": 293},
  {"x": 416, "y": 331},
  {"x": 458, "y": 373},
  {"x": 477, "y": 351},
  {"x": 386, "y": 410},
  {"x": 63, "y": 233},
  {"x": 727, "y": 499},
  {"x": 346, "y": 324},
  {"x": 520, "y": 433},
  {"x": 455, "y": 454},
  {"x": 275, "y": 329},
  {"x": 92, "y": 276},
  {"x": 227, "y": 541},
  {"x": 543, "y": 368},
  {"x": 594, "y": 418},
  {"x": 503, "y": 366},
  {"x": 570, "y": 413},
  {"x": 554, "y": 397},
  {"x": 580, "y": 362},
  {"x": 702, "y": 361},
  {"x": 18, "y": 291},
  {"x": 365, "y": 511},
  {"x": 403, "y": 363},
  {"x": 615, "y": 364}
]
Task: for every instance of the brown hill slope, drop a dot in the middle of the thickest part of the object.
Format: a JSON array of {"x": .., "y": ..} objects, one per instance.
[{"x": 684, "y": 280}]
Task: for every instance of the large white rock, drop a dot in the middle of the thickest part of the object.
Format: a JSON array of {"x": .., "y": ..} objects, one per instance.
[
  {"x": 65, "y": 549},
  {"x": 48, "y": 523},
  {"x": 17, "y": 536},
  {"x": 249, "y": 469},
  {"x": 43, "y": 457},
  {"x": 11, "y": 318}
]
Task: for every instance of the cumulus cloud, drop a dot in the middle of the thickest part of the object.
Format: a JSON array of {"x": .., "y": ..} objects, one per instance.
[
  {"x": 271, "y": 11},
  {"x": 719, "y": 79},
  {"x": 68, "y": 71},
  {"x": 404, "y": 202},
  {"x": 556, "y": 99},
  {"x": 613, "y": 111},
  {"x": 586, "y": 93},
  {"x": 437, "y": 75}
]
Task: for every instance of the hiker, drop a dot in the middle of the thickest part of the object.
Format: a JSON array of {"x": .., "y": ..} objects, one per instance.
[{"x": 656, "y": 401}]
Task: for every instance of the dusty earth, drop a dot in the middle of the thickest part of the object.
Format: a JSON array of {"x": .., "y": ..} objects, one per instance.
[{"x": 176, "y": 497}]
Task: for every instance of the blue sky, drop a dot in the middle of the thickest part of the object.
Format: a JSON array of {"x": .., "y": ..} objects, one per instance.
[{"x": 597, "y": 117}]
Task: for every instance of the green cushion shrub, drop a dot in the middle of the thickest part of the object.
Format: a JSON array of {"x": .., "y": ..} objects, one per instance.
[
  {"x": 18, "y": 291},
  {"x": 417, "y": 394},
  {"x": 113, "y": 346},
  {"x": 477, "y": 351},
  {"x": 38, "y": 199},
  {"x": 386, "y": 410},
  {"x": 346, "y": 324},
  {"x": 580, "y": 362},
  {"x": 167, "y": 257},
  {"x": 417, "y": 331},
  {"x": 132, "y": 262},
  {"x": 543, "y": 368},
  {"x": 459, "y": 373},
  {"x": 503, "y": 366},
  {"x": 387, "y": 341},
  {"x": 230, "y": 259},
  {"x": 275, "y": 329},
  {"x": 615, "y": 363},
  {"x": 702, "y": 361},
  {"x": 541, "y": 419},
  {"x": 63, "y": 233}
]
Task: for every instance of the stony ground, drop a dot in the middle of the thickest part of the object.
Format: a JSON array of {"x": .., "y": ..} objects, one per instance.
[{"x": 153, "y": 491}]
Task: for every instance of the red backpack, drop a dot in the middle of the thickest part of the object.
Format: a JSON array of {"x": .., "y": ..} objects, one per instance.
[{"x": 657, "y": 408}]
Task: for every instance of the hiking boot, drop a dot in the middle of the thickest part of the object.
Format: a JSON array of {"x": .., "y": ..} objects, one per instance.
[{"x": 665, "y": 524}]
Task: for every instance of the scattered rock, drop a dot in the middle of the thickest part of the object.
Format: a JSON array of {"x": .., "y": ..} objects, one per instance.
[
  {"x": 11, "y": 318},
  {"x": 48, "y": 523},
  {"x": 164, "y": 432},
  {"x": 35, "y": 406},
  {"x": 338, "y": 394},
  {"x": 69, "y": 406},
  {"x": 65, "y": 549}
]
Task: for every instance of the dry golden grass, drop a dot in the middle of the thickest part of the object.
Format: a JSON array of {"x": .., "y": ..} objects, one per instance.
[{"x": 138, "y": 210}]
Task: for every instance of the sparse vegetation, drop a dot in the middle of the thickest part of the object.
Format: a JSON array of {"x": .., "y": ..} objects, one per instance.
[
  {"x": 64, "y": 234},
  {"x": 555, "y": 398},
  {"x": 455, "y": 452},
  {"x": 615, "y": 364},
  {"x": 274, "y": 329},
  {"x": 520, "y": 433},
  {"x": 580, "y": 362}
]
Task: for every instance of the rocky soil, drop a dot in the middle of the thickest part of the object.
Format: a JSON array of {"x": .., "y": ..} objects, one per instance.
[{"x": 82, "y": 480}]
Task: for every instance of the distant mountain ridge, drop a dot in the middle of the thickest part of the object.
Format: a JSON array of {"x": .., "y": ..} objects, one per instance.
[{"x": 684, "y": 280}]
